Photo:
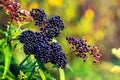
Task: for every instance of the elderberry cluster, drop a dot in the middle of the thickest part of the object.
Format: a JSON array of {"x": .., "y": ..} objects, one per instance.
[
  {"x": 81, "y": 47},
  {"x": 51, "y": 53},
  {"x": 38, "y": 15},
  {"x": 30, "y": 40},
  {"x": 50, "y": 27},
  {"x": 40, "y": 43}
]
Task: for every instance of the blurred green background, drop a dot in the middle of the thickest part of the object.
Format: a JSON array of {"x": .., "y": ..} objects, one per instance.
[{"x": 97, "y": 20}]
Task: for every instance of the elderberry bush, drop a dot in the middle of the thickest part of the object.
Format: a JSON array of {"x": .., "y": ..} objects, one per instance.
[{"x": 39, "y": 44}]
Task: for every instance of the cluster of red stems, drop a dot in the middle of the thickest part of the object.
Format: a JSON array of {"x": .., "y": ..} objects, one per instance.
[
  {"x": 15, "y": 10},
  {"x": 80, "y": 46}
]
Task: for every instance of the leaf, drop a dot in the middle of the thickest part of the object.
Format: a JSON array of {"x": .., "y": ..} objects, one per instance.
[
  {"x": 3, "y": 34},
  {"x": 1, "y": 31},
  {"x": 7, "y": 56},
  {"x": 68, "y": 66},
  {"x": 15, "y": 46},
  {"x": 62, "y": 75},
  {"x": 9, "y": 73},
  {"x": 41, "y": 65},
  {"x": 48, "y": 76},
  {"x": 42, "y": 74},
  {"x": 1, "y": 44}
]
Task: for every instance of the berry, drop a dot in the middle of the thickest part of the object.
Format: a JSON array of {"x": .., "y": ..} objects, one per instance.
[
  {"x": 59, "y": 57},
  {"x": 43, "y": 54},
  {"x": 38, "y": 15},
  {"x": 51, "y": 53},
  {"x": 26, "y": 36},
  {"x": 31, "y": 40},
  {"x": 29, "y": 49},
  {"x": 53, "y": 27},
  {"x": 40, "y": 43},
  {"x": 81, "y": 47}
]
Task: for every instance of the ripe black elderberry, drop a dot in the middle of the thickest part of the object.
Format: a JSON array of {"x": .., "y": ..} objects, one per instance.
[
  {"x": 59, "y": 58},
  {"x": 29, "y": 48},
  {"x": 31, "y": 40},
  {"x": 51, "y": 53},
  {"x": 26, "y": 36},
  {"x": 38, "y": 15},
  {"x": 43, "y": 53},
  {"x": 53, "y": 27}
]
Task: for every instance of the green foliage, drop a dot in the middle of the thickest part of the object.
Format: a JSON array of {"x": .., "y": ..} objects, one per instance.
[
  {"x": 42, "y": 74},
  {"x": 6, "y": 53},
  {"x": 7, "y": 56},
  {"x": 62, "y": 75}
]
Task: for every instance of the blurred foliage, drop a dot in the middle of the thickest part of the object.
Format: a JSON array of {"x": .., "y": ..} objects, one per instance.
[{"x": 97, "y": 20}]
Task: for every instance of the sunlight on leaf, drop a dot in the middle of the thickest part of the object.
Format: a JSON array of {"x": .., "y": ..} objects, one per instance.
[
  {"x": 116, "y": 52},
  {"x": 116, "y": 70},
  {"x": 42, "y": 74},
  {"x": 23, "y": 23},
  {"x": 68, "y": 66},
  {"x": 9, "y": 73},
  {"x": 57, "y": 3},
  {"x": 62, "y": 74},
  {"x": 33, "y": 5},
  {"x": 89, "y": 14},
  {"x": 7, "y": 56}
]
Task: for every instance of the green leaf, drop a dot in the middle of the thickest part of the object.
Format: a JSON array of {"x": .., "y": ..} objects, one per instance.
[
  {"x": 15, "y": 46},
  {"x": 7, "y": 56},
  {"x": 41, "y": 65},
  {"x": 42, "y": 74},
  {"x": 68, "y": 66},
  {"x": 8, "y": 74},
  {"x": 48, "y": 76},
  {"x": 62, "y": 74},
  {"x": 2, "y": 32}
]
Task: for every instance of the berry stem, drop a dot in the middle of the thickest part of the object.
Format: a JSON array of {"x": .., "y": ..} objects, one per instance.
[
  {"x": 70, "y": 53},
  {"x": 32, "y": 72},
  {"x": 14, "y": 39},
  {"x": 24, "y": 59}
]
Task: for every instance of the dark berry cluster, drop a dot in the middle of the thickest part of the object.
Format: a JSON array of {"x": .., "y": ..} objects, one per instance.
[
  {"x": 38, "y": 15},
  {"x": 14, "y": 9},
  {"x": 50, "y": 27},
  {"x": 40, "y": 43},
  {"x": 43, "y": 50},
  {"x": 30, "y": 40},
  {"x": 51, "y": 53},
  {"x": 53, "y": 26},
  {"x": 81, "y": 47}
]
